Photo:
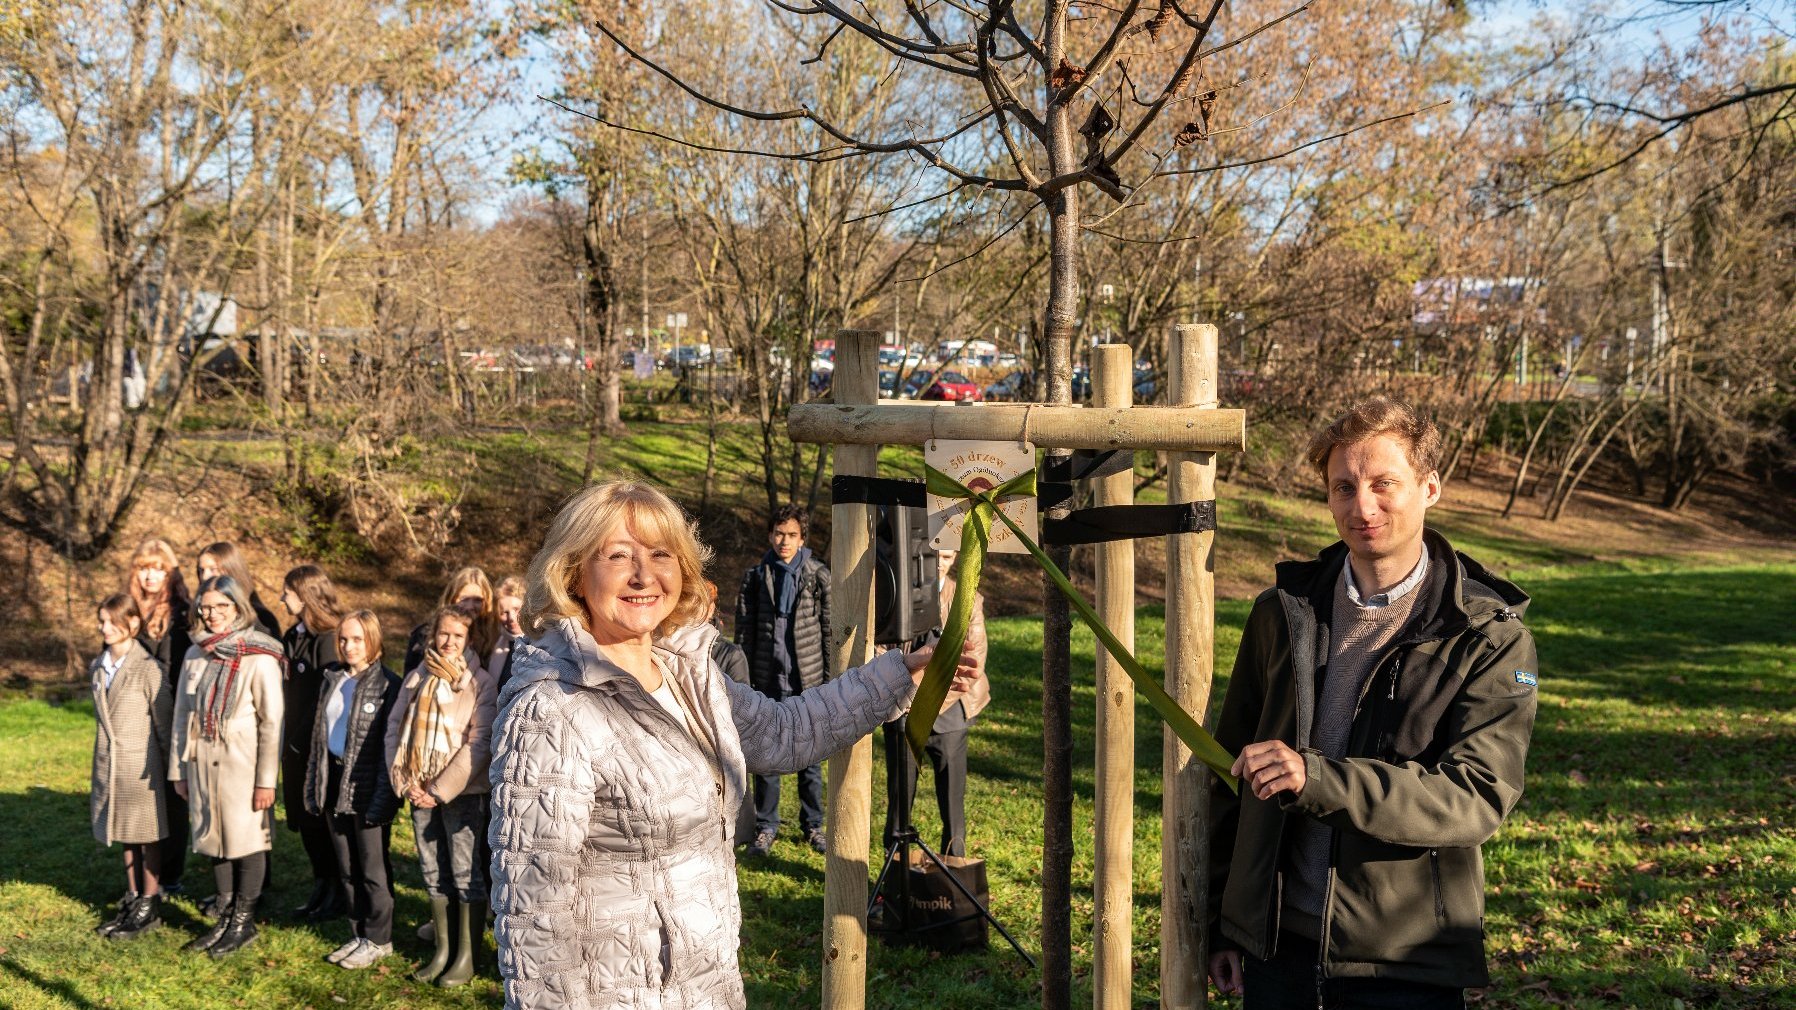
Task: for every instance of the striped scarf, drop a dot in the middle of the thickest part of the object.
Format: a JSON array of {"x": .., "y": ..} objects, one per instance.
[
  {"x": 219, "y": 685},
  {"x": 429, "y": 738}
]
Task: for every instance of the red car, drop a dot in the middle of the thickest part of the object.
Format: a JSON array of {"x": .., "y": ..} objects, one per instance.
[{"x": 951, "y": 386}]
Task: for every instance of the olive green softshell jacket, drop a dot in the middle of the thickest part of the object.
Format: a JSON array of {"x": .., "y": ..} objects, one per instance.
[{"x": 1434, "y": 763}]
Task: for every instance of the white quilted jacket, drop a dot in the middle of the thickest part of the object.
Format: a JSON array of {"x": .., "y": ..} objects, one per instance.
[{"x": 614, "y": 883}]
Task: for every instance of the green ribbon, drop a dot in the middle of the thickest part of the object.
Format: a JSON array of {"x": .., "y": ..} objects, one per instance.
[{"x": 975, "y": 539}]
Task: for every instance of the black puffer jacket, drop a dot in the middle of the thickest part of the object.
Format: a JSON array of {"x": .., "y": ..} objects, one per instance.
[
  {"x": 756, "y": 610},
  {"x": 366, "y": 788},
  {"x": 308, "y": 654},
  {"x": 730, "y": 658}
]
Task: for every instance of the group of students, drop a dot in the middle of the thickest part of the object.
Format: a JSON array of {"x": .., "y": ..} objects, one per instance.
[{"x": 203, "y": 706}]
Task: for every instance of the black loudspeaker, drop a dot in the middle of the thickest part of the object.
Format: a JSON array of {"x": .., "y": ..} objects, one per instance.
[{"x": 904, "y": 576}]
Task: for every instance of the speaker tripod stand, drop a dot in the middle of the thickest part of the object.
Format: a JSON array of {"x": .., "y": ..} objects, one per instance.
[{"x": 895, "y": 921}]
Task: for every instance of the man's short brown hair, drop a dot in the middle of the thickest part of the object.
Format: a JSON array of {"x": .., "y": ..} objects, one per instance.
[{"x": 1380, "y": 415}]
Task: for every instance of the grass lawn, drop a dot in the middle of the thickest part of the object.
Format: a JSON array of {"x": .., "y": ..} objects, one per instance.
[{"x": 1650, "y": 861}]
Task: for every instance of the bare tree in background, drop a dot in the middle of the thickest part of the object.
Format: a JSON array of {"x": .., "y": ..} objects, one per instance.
[{"x": 130, "y": 149}]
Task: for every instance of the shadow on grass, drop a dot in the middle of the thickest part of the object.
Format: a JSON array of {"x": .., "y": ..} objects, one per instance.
[
  {"x": 75, "y": 866},
  {"x": 54, "y": 987}
]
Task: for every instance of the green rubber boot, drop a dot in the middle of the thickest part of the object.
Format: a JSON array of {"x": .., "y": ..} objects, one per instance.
[
  {"x": 461, "y": 970},
  {"x": 439, "y": 918}
]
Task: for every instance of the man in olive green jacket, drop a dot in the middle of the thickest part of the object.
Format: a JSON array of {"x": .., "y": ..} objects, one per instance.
[{"x": 1381, "y": 704}]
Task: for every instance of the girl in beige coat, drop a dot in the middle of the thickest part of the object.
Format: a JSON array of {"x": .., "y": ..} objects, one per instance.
[
  {"x": 132, "y": 708},
  {"x": 227, "y": 738},
  {"x": 437, "y": 751}
]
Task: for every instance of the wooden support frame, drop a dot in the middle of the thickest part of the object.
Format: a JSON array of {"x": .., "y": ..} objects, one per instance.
[
  {"x": 898, "y": 422},
  {"x": 1190, "y": 668},
  {"x": 1113, "y": 798},
  {"x": 849, "y": 800},
  {"x": 1193, "y": 430}
]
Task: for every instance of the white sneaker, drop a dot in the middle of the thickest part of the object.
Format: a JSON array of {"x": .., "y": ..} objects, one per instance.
[
  {"x": 336, "y": 956},
  {"x": 365, "y": 955}
]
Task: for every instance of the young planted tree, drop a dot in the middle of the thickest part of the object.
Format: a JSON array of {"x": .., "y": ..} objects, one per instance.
[{"x": 1049, "y": 100}]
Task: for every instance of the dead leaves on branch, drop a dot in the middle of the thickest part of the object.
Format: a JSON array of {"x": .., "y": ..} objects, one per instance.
[
  {"x": 1098, "y": 124},
  {"x": 1198, "y": 129},
  {"x": 1066, "y": 75}
]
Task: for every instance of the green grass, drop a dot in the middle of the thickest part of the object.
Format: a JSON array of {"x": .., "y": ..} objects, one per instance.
[{"x": 1650, "y": 860}]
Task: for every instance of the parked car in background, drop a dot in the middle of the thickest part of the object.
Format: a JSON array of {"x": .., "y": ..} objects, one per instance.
[
  {"x": 888, "y": 382},
  {"x": 950, "y": 386},
  {"x": 1017, "y": 387},
  {"x": 913, "y": 387},
  {"x": 686, "y": 356}
]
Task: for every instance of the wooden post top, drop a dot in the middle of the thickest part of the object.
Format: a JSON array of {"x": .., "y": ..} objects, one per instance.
[{"x": 904, "y": 422}]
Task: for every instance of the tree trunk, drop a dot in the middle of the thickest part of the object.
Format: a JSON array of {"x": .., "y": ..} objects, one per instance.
[{"x": 1058, "y": 327}]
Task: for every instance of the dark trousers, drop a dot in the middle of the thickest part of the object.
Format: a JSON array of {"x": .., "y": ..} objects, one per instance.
[
  {"x": 947, "y": 752},
  {"x": 314, "y": 830},
  {"x": 1289, "y": 982},
  {"x": 810, "y": 801},
  {"x": 174, "y": 847},
  {"x": 362, "y": 863},
  {"x": 810, "y": 789},
  {"x": 241, "y": 877},
  {"x": 448, "y": 836}
]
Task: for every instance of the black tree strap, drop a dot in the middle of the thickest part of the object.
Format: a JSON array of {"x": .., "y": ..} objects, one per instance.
[
  {"x": 849, "y": 489},
  {"x": 1085, "y": 464},
  {"x": 1102, "y": 524},
  {"x": 1105, "y": 523}
]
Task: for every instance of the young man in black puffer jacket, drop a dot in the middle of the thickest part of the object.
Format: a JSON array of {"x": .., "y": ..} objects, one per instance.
[{"x": 782, "y": 623}]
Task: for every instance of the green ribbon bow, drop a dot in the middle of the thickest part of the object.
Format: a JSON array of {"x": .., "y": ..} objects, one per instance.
[{"x": 975, "y": 538}]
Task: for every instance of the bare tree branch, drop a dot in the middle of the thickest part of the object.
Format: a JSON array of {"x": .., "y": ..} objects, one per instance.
[{"x": 1307, "y": 144}]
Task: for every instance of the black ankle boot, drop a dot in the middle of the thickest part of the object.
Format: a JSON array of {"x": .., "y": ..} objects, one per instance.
[
  {"x": 239, "y": 931},
  {"x": 332, "y": 907},
  {"x": 320, "y": 893},
  {"x": 123, "y": 910},
  {"x": 143, "y": 917},
  {"x": 211, "y": 936},
  {"x": 216, "y": 906}
]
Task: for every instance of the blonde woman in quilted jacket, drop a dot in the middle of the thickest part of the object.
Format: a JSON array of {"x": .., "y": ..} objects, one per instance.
[{"x": 620, "y": 757}]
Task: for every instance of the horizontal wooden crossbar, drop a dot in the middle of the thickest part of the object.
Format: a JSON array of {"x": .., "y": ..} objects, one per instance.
[{"x": 1173, "y": 429}]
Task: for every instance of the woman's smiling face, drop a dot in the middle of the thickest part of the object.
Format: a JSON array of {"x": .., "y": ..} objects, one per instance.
[
  {"x": 629, "y": 587},
  {"x": 217, "y": 610}
]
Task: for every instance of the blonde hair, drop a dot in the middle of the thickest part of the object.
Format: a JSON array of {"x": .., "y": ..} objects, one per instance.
[
  {"x": 1380, "y": 415},
  {"x": 370, "y": 634},
  {"x": 511, "y": 586},
  {"x": 483, "y": 631},
  {"x": 589, "y": 517}
]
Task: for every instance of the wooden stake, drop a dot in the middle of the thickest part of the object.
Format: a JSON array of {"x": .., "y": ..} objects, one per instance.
[
  {"x": 851, "y": 556},
  {"x": 1113, "y": 370},
  {"x": 1063, "y": 427},
  {"x": 1190, "y": 664}
]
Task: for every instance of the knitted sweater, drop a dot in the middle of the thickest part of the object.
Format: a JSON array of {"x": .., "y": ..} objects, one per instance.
[{"x": 1360, "y": 636}]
